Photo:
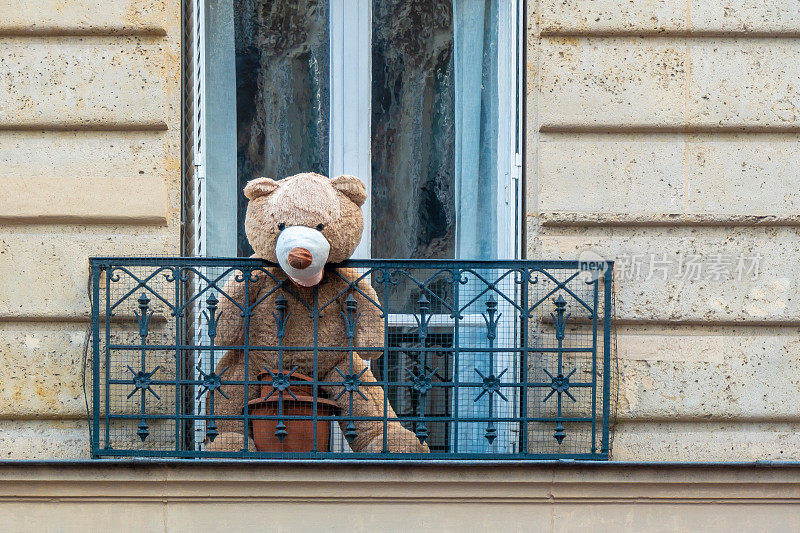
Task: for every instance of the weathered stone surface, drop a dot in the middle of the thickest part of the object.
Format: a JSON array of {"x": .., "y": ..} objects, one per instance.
[
  {"x": 735, "y": 177},
  {"x": 41, "y": 365},
  {"x": 78, "y": 82},
  {"x": 44, "y": 439},
  {"x": 610, "y": 176},
  {"x": 706, "y": 441},
  {"x": 631, "y": 177},
  {"x": 713, "y": 373},
  {"x": 775, "y": 17},
  {"x": 733, "y": 84},
  {"x": 51, "y": 269},
  {"x": 116, "y": 154},
  {"x": 611, "y": 16},
  {"x": 91, "y": 127},
  {"x": 619, "y": 83},
  {"x": 701, "y": 17},
  {"x": 630, "y": 83},
  {"x": 137, "y": 200},
  {"x": 83, "y": 16},
  {"x": 653, "y": 284}
]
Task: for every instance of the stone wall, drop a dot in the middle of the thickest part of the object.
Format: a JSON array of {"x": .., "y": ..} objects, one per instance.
[
  {"x": 654, "y": 127},
  {"x": 89, "y": 165},
  {"x": 666, "y": 134}
]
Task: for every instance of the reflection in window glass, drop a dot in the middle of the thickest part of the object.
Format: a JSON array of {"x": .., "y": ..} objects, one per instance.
[
  {"x": 413, "y": 138},
  {"x": 282, "y": 77}
]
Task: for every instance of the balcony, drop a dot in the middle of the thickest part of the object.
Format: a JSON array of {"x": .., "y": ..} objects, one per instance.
[{"x": 395, "y": 359}]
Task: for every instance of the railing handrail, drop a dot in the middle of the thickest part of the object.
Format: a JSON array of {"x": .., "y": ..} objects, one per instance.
[{"x": 352, "y": 263}]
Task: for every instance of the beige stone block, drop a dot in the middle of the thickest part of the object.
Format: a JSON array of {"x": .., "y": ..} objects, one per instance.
[
  {"x": 41, "y": 365},
  {"x": 734, "y": 177},
  {"x": 618, "y": 83},
  {"x": 695, "y": 274},
  {"x": 753, "y": 16},
  {"x": 637, "y": 179},
  {"x": 708, "y": 373},
  {"x": 46, "y": 273},
  {"x": 19, "y": 17},
  {"x": 628, "y": 83},
  {"x": 59, "y": 199},
  {"x": 68, "y": 82},
  {"x": 44, "y": 439},
  {"x": 701, "y": 17},
  {"x": 706, "y": 441},
  {"x": 611, "y": 16},
  {"x": 73, "y": 154},
  {"x": 744, "y": 84},
  {"x": 609, "y": 176}
]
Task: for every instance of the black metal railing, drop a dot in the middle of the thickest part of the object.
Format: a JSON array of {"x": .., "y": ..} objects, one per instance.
[{"x": 212, "y": 357}]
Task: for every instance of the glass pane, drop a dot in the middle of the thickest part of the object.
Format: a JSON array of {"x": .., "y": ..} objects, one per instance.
[
  {"x": 413, "y": 132},
  {"x": 282, "y": 67}
]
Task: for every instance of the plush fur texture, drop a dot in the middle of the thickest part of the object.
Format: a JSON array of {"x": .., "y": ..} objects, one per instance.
[{"x": 309, "y": 200}]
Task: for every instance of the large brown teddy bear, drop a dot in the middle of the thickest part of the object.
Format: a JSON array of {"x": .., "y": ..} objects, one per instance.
[{"x": 302, "y": 223}]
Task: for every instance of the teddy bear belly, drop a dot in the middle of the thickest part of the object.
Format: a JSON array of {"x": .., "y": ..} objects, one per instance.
[
  {"x": 330, "y": 333},
  {"x": 303, "y": 360}
]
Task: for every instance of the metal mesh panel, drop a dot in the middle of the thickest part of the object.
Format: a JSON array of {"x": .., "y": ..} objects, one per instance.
[{"x": 410, "y": 359}]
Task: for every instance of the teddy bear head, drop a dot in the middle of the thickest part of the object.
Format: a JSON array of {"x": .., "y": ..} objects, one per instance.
[{"x": 304, "y": 221}]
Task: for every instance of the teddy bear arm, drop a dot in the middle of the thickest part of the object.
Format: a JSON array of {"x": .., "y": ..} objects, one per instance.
[
  {"x": 230, "y": 331},
  {"x": 369, "y": 402},
  {"x": 370, "y": 326}
]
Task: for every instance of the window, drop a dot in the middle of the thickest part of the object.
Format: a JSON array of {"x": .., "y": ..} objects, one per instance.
[{"x": 421, "y": 100}]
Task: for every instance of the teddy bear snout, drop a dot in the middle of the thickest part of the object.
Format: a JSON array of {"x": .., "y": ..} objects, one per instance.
[{"x": 300, "y": 258}]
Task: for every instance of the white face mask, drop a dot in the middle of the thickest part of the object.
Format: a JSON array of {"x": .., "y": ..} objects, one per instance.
[{"x": 302, "y": 253}]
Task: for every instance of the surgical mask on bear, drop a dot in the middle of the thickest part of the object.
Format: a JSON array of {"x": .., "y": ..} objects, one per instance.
[{"x": 302, "y": 253}]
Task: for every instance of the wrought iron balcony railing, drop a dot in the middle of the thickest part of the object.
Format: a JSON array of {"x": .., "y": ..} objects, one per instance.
[{"x": 196, "y": 357}]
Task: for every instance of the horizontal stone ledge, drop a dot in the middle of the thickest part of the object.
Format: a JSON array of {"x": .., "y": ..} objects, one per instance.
[
  {"x": 666, "y": 128},
  {"x": 709, "y": 17},
  {"x": 89, "y": 125},
  {"x": 696, "y": 323},
  {"x": 83, "y": 200},
  {"x": 651, "y": 33},
  {"x": 80, "y": 420},
  {"x": 344, "y": 481},
  {"x": 632, "y": 419},
  {"x": 82, "y": 31},
  {"x": 670, "y": 135},
  {"x": 46, "y": 318},
  {"x": 88, "y": 17},
  {"x": 557, "y": 219}
]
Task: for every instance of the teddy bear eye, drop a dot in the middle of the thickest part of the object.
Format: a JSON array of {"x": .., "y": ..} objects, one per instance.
[
  {"x": 320, "y": 227},
  {"x": 281, "y": 226}
]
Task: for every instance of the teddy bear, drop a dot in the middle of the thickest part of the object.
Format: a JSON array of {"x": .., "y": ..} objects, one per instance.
[{"x": 303, "y": 223}]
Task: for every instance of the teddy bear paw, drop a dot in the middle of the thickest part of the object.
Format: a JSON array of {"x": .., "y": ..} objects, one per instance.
[{"x": 229, "y": 442}]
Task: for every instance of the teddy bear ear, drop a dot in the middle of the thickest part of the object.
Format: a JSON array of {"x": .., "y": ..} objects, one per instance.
[
  {"x": 259, "y": 187},
  {"x": 352, "y": 187}
]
